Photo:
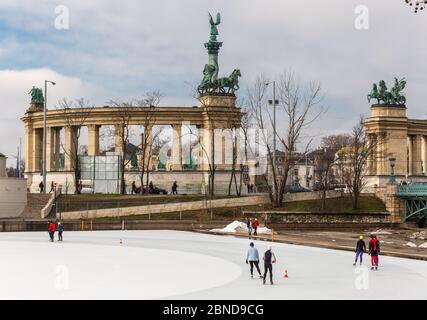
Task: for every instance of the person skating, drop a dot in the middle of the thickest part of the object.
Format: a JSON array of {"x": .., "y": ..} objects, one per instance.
[
  {"x": 374, "y": 251},
  {"x": 249, "y": 225},
  {"x": 60, "y": 231},
  {"x": 255, "y": 225},
  {"x": 51, "y": 230},
  {"x": 360, "y": 249},
  {"x": 252, "y": 257},
  {"x": 269, "y": 259}
]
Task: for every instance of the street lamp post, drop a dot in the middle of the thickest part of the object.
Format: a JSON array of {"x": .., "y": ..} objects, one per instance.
[
  {"x": 44, "y": 133},
  {"x": 274, "y": 102}
]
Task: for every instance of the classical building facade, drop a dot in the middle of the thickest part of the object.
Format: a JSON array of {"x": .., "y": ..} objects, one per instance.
[
  {"x": 393, "y": 135},
  {"x": 214, "y": 118}
]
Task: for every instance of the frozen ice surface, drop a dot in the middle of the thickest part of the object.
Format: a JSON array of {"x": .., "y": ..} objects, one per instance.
[{"x": 184, "y": 265}]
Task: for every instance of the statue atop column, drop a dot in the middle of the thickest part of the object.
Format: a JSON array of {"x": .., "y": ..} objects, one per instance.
[
  {"x": 210, "y": 82},
  {"x": 37, "y": 99},
  {"x": 393, "y": 97}
]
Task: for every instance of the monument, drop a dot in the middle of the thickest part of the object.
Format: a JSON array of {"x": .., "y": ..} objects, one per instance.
[
  {"x": 216, "y": 114},
  {"x": 395, "y": 137}
]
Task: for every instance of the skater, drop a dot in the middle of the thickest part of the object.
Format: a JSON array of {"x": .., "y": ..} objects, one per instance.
[
  {"x": 51, "y": 230},
  {"x": 249, "y": 225},
  {"x": 60, "y": 231},
  {"x": 252, "y": 257},
  {"x": 174, "y": 188},
  {"x": 255, "y": 225},
  {"x": 374, "y": 251},
  {"x": 360, "y": 249},
  {"x": 269, "y": 259}
]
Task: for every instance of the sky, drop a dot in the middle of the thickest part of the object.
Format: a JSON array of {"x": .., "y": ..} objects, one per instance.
[{"x": 122, "y": 49}]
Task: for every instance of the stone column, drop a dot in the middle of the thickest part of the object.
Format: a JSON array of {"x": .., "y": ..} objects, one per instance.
[
  {"x": 177, "y": 147},
  {"x": 93, "y": 139},
  {"x": 37, "y": 149},
  {"x": 416, "y": 149},
  {"x": 118, "y": 138},
  {"x": 218, "y": 147},
  {"x": 371, "y": 157},
  {"x": 29, "y": 147},
  {"x": 380, "y": 154},
  {"x": 57, "y": 153},
  {"x": 70, "y": 147},
  {"x": 424, "y": 154},
  {"x": 148, "y": 140},
  {"x": 394, "y": 205},
  {"x": 50, "y": 149},
  {"x": 410, "y": 156}
]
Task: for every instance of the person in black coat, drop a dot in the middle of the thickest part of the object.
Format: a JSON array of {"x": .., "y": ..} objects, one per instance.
[
  {"x": 360, "y": 249},
  {"x": 269, "y": 259}
]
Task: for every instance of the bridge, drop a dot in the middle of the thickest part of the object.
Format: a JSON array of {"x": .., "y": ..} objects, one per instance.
[{"x": 415, "y": 200}]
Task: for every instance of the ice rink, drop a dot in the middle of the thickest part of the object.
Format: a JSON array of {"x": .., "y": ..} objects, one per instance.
[{"x": 184, "y": 265}]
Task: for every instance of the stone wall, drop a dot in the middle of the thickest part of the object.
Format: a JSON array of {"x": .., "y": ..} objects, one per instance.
[
  {"x": 13, "y": 197},
  {"x": 165, "y": 208},
  {"x": 328, "y": 218}
]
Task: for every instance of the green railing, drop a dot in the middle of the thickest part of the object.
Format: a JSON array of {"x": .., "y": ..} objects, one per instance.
[{"x": 412, "y": 190}]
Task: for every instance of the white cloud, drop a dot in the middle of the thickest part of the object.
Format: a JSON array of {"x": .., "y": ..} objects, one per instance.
[{"x": 14, "y": 88}]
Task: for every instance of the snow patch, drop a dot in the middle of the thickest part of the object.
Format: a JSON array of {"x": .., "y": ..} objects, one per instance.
[
  {"x": 424, "y": 245},
  {"x": 419, "y": 235},
  {"x": 240, "y": 227},
  {"x": 410, "y": 244},
  {"x": 380, "y": 231}
]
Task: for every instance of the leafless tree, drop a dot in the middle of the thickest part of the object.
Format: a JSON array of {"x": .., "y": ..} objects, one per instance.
[
  {"x": 299, "y": 106},
  {"x": 325, "y": 158},
  {"x": 355, "y": 160},
  {"x": 74, "y": 122}
]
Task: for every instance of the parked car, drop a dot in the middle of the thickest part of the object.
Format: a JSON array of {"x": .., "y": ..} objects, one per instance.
[
  {"x": 155, "y": 190},
  {"x": 87, "y": 189},
  {"x": 296, "y": 189}
]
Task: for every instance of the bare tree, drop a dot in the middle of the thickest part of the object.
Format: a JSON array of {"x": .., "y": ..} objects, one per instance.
[
  {"x": 300, "y": 106},
  {"x": 123, "y": 133},
  {"x": 325, "y": 158},
  {"x": 74, "y": 122},
  {"x": 355, "y": 160}
]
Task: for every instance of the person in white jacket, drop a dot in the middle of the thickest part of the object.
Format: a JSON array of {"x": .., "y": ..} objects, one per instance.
[{"x": 252, "y": 257}]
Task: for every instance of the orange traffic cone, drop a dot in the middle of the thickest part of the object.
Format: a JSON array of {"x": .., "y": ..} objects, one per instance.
[{"x": 285, "y": 276}]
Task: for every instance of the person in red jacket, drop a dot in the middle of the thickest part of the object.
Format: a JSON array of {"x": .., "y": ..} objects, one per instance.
[
  {"x": 255, "y": 225},
  {"x": 374, "y": 251},
  {"x": 51, "y": 230}
]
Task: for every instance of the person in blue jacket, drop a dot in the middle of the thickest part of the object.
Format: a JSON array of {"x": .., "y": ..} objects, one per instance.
[
  {"x": 60, "y": 231},
  {"x": 252, "y": 257}
]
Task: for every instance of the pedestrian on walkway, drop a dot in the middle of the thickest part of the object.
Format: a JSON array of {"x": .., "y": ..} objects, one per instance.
[
  {"x": 360, "y": 249},
  {"x": 52, "y": 187},
  {"x": 269, "y": 259},
  {"x": 374, "y": 251},
  {"x": 51, "y": 230},
  {"x": 60, "y": 231},
  {"x": 174, "y": 188},
  {"x": 41, "y": 186},
  {"x": 252, "y": 257},
  {"x": 255, "y": 225}
]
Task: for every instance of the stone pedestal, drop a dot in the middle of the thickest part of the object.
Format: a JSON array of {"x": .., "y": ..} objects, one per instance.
[{"x": 394, "y": 205}]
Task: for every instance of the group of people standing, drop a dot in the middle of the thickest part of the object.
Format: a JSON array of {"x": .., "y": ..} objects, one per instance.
[
  {"x": 53, "y": 228},
  {"x": 373, "y": 251},
  {"x": 252, "y": 226}
]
